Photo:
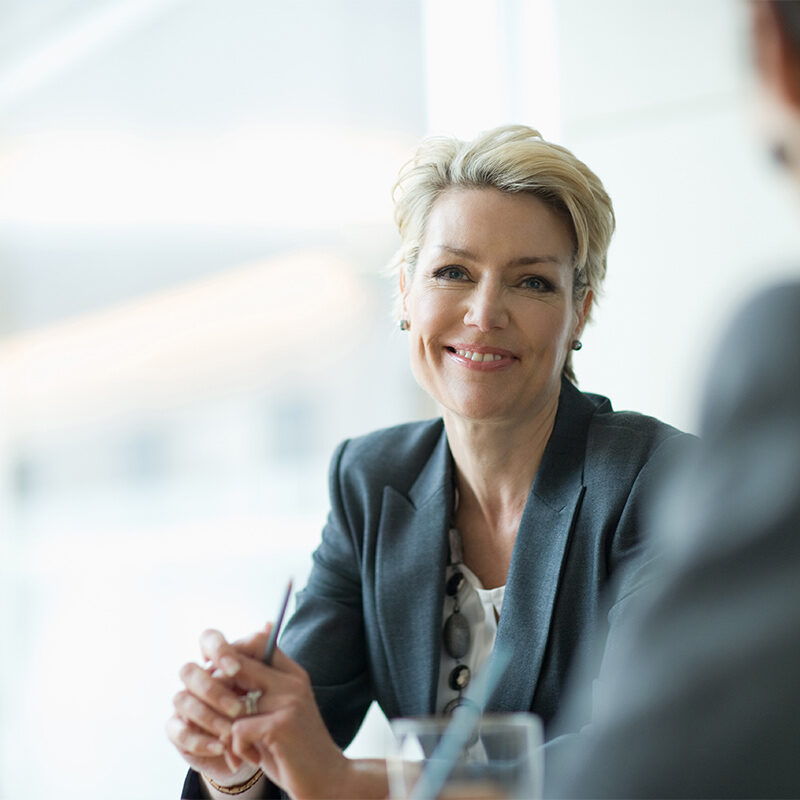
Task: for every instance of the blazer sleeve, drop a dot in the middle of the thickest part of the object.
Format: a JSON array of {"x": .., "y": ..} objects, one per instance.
[
  {"x": 702, "y": 695},
  {"x": 326, "y": 633}
]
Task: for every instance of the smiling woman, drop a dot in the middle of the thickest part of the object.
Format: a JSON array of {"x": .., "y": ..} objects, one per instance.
[
  {"x": 492, "y": 304},
  {"x": 506, "y": 520}
]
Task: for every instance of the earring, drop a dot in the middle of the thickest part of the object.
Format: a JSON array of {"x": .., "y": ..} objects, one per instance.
[
  {"x": 404, "y": 325},
  {"x": 577, "y": 344}
]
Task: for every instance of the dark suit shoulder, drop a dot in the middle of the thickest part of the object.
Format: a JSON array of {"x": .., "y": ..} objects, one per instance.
[
  {"x": 700, "y": 696},
  {"x": 774, "y": 307},
  {"x": 757, "y": 363}
]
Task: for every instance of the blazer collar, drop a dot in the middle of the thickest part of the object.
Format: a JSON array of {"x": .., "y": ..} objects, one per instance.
[
  {"x": 412, "y": 555},
  {"x": 544, "y": 531}
]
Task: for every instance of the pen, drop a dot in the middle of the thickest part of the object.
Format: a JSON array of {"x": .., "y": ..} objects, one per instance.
[{"x": 269, "y": 650}]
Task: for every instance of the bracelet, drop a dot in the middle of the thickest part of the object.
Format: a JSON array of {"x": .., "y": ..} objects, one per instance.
[{"x": 239, "y": 787}]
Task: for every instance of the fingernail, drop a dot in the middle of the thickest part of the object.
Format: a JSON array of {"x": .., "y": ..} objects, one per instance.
[
  {"x": 230, "y": 665},
  {"x": 211, "y": 639},
  {"x": 224, "y": 731},
  {"x": 231, "y": 707}
]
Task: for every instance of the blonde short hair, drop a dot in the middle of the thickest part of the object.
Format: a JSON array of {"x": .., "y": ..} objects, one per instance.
[{"x": 511, "y": 158}]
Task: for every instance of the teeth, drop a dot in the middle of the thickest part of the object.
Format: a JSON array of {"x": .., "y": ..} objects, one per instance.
[{"x": 474, "y": 356}]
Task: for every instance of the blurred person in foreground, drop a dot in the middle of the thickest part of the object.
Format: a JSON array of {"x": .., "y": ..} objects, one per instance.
[
  {"x": 502, "y": 521},
  {"x": 702, "y": 695}
]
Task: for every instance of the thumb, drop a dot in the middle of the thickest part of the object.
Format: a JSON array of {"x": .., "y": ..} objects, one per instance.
[
  {"x": 254, "y": 645},
  {"x": 283, "y": 663}
]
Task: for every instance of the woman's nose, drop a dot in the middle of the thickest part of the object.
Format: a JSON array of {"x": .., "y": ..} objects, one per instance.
[{"x": 487, "y": 308}]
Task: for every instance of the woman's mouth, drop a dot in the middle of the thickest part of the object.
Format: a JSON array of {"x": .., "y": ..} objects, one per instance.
[
  {"x": 481, "y": 356},
  {"x": 473, "y": 355}
]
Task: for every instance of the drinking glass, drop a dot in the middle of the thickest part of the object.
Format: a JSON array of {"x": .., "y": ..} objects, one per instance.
[{"x": 502, "y": 759}]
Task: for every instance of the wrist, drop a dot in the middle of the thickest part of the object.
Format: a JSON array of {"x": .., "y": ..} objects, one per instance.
[{"x": 244, "y": 786}]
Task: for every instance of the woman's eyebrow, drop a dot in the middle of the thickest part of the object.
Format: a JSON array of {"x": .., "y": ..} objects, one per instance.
[
  {"x": 516, "y": 262},
  {"x": 456, "y": 251},
  {"x": 526, "y": 260}
]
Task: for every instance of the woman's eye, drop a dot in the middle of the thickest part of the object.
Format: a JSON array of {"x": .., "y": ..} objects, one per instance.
[
  {"x": 451, "y": 274},
  {"x": 538, "y": 284}
]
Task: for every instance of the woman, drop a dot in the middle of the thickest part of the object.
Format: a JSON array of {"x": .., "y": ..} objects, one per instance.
[{"x": 502, "y": 521}]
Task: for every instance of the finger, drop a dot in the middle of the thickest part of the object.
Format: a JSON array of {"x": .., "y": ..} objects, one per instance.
[
  {"x": 212, "y": 692},
  {"x": 198, "y": 713},
  {"x": 191, "y": 740},
  {"x": 234, "y": 762},
  {"x": 255, "y": 675},
  {"x": 253, "y": 669},
  {"x": 248, "y": 740},
  {"x": 254, "y": 646},
  {"x": 224, "y": 655},
  {"x": 216, "y": 649}
]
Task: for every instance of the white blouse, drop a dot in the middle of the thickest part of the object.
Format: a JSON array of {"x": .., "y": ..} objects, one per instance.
[{"x": 482, "y": 608}]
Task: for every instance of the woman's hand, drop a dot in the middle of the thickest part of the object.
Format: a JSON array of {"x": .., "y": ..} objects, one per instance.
[
  {"x": 204, "y": 711},
  {"x": 286, "y": 736}
]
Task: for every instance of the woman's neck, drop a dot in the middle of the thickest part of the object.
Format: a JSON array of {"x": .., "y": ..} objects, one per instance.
[{"x": 496, "y": 463}]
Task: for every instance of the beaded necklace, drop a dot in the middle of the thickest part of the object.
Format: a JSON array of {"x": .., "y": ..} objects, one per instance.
[{"x": 456, "y": 634}]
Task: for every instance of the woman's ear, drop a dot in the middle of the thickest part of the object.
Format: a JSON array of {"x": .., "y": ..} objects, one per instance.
[
  {"x": 404, "y": 286},
  {"x": 583, "y": 310}
]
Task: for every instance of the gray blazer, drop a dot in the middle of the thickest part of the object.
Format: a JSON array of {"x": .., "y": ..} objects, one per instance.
[
  {"x": 368, "y": 624},
  {"x": 703, "y": 692}
]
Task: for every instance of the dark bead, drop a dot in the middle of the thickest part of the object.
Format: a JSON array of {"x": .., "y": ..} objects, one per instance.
[
  {"x": 458, "y": 702},
  {"x": 457, "y": 635},
  {"x": 454, "y": 583},
  {"x": 452, "y": 706},
  {"x": 459, "y": 678}
]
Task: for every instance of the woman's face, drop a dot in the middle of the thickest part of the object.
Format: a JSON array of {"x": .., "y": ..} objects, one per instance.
[{"x": 490, "y": 305}]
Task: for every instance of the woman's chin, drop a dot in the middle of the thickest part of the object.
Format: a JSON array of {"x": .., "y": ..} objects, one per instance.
[
  {"x": 487, "y": 410},
  {"x": 496, "y": 408}
]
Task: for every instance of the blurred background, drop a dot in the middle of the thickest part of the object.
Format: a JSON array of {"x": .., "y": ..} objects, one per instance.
[{"x": 195, "y": 216}]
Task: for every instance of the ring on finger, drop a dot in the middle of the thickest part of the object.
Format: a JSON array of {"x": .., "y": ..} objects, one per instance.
[{"x": 251, "y": 702}]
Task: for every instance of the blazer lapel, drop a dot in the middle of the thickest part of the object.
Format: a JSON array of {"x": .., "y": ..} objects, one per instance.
[
  {"x": 411, "y": 556},
  {"x": 547, "y": 522}
]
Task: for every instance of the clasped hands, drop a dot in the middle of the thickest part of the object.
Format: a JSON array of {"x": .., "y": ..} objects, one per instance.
[{"x": 285, "y": 736}]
